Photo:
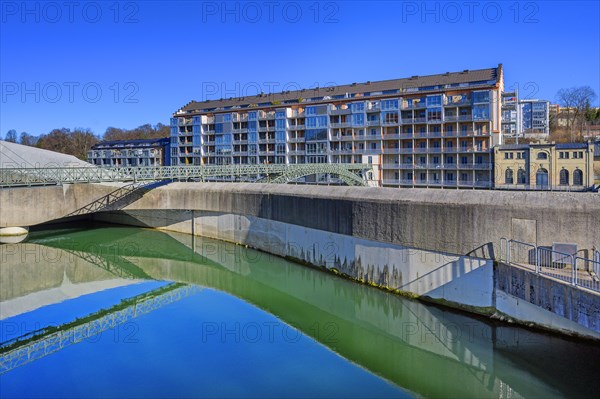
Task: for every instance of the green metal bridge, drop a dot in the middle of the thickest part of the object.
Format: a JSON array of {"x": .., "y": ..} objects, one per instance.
[{"x": 351, "y": 174}]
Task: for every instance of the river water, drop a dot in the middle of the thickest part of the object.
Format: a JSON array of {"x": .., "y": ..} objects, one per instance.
[{"x": 100, "y": 311}]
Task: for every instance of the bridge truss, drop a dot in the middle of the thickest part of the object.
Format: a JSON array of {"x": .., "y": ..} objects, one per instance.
[{"x": 351, "y": 174}]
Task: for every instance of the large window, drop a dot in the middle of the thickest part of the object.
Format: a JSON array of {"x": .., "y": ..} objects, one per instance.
[
  {"x": 358, "y": 119},
  {"x": 521, "y": 176},
  {"x": 434, "y": 101},
  {"x": 577, "y": 177},
  {"x": 434, "y": 114},
  {"x": 564, "y": 177},
  {"x": 311, "y": 111},
  {"x": 358, "y": 107},
  {"x": 481, "y": 112},
  {"x": 316, "y": 134},
  {"x": 389, "y": 104},
  {"x": 508, "y": 176},
  {"x": 390, "y": 117},
  {"x": 542, "y": 155},
  {"x": 481, "y": 97}
]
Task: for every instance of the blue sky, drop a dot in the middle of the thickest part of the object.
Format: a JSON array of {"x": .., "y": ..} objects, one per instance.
[{"x": 104, "y": 63}]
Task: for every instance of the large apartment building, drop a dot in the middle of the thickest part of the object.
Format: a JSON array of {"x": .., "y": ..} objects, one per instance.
[{"x": 421, "y": 131}]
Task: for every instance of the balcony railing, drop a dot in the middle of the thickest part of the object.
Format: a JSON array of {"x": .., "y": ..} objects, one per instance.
[
  {"x": 390, "y": 166},
  {"x": 340, "y": 111},
  {"x": 341, "y": 124},
  {"x": 395, "y": 136},
  {"x": 342, "y": 137},
  {"x": 391, "y": 150}
]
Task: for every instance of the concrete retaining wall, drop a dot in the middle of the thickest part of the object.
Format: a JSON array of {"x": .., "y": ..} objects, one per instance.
[
  {"x": 453, "y": 221},
  {"x": 538, "y": 300},
  {"x": 461, "y": 281}
]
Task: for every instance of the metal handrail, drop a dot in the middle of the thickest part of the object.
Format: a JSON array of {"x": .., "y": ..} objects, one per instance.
[{"x": 506, "y": 247}]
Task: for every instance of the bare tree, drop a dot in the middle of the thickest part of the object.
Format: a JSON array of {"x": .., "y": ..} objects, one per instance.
[
  {"x": 11, "y": 136},
  {"x": 27, "y": 139},
  {"x": 577, "y": 101}
]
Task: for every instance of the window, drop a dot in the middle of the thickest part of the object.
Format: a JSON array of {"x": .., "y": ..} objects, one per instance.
[
  {"x": 434, "y": 114},
  {"x": 577, "y": 177},
  {"x": 389, "y": 104},
  {"x": 564, "y": 155},
  {"x": 358, "y": 119},
  {"x": 481, "y": 97},
  {"x": 521, "y": 176},
  {"x": 311, "y": 111},
  {"x": 481, "y": 112},
  {"x": 450, "y": 160},
  {"x": 564, "y": 177},
  {"x": 508, "y": 176},
  {"x": 542, "y": 155},
  {"x": 433, "y": 101},
  {"x": 357, "y": 107}
]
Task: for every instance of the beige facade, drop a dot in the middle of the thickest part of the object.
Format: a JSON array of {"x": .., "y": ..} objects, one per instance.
[
  {"x": 566, "y": 166},
  {"x": 422, "y": 131}
]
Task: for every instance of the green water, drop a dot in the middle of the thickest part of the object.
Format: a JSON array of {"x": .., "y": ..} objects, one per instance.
[{"x": 235, "y": 322}]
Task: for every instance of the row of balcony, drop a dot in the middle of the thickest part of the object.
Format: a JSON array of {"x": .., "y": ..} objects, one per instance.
[
  {"x": 438, "y": 182},
  {"x": 478, "y": 166},
  {"x": 397, "y": 136},
  {"x": 432, "y": 150},
  {"x": 379, "y": 136}
]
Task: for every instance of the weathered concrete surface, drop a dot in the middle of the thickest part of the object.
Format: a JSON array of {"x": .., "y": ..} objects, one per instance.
[
  {"x": 453, "y": 221},
  {"x": 458, "y": 280},
  {"x": 464, "y": 282},
  {"x": 30, "y": 206},
  {"x": 531, "y": 298}
]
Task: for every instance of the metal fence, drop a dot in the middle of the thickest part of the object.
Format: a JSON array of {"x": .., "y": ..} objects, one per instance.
[{"x": 574, "y": 269}]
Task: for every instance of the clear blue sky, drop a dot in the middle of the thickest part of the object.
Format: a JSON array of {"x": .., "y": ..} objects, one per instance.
[{"x": 97, "y": 64}]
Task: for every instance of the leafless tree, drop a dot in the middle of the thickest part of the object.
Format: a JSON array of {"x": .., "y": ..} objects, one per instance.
[{"x": 576, "y": 101}]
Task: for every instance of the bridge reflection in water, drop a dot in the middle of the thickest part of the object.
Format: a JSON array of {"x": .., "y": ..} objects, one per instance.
[{"x": 428, "y": 350}]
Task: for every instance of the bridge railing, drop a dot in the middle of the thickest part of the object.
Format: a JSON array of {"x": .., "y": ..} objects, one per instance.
[
  {"x": 576, "y": 270},
  {"x": 40, "y": 176}
]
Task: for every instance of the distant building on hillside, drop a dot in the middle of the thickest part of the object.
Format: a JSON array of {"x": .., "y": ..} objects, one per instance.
[
  {"x": 525, "y": 118},
  {"x": 124, "y": 153}
]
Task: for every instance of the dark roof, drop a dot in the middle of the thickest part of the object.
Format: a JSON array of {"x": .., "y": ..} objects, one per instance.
[
  {"x": 567, "y": 146},
  {"x": 480, "y": 77},
  {"x": 513, "y": 147},
  {"x": 132, "y": 143}
]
